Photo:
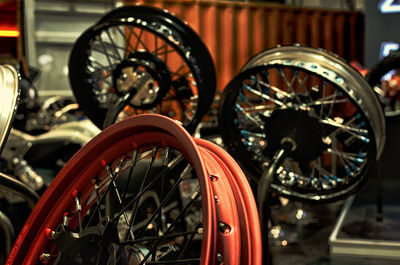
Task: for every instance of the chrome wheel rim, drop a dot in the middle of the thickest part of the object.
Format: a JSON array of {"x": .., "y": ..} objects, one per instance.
[
  {"x": 9, "y": 92},
  {"x": 297, "y": 94}
]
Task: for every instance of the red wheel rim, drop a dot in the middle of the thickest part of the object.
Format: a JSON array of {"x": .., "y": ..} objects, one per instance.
[
  {"x": 139, "y": 130},
  {"x": 228, "y": 223},
  {"x": 231, "y": 233},
  {"x": 251, "y": 246}
]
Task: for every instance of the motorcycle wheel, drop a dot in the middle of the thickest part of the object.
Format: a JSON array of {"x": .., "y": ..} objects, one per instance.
[
  {"x": 146, "y": 54},
  {"x": 384, "y": 78},
  {"x": 143, "y": 192},
  {"x": 317, "y": 102}
]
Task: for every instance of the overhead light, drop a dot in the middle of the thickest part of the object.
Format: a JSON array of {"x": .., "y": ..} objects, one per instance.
[{"x": 9, "y": 33}]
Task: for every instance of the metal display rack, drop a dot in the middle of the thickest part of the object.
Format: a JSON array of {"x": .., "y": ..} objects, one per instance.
[{"x": 378, "y": 239}]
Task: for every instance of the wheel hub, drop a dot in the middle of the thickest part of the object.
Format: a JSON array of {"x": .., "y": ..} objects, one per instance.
[
  {"x": 301, "y": 127},
  {"x": 144, "y": 75},
  {"x": 93, "y": 245},
  {"x": 100, "y": 244}
]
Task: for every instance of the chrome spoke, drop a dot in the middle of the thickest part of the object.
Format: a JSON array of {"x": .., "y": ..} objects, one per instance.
[
  {"x": 359, "y": 158},
  {"x": 328, "y": 102},
  {"x": 254, "y": 91},
  {"x": 344, "y": 127},
  {"x": 289, "y": 84},
  {"x": 253, "y": 134},
  {"x": 239, "y": 109},
  {"x": 258, "y": 108},
  {"x": 277, "y": 90}
]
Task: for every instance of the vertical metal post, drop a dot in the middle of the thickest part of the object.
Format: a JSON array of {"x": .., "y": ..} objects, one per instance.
[
  {"x": 379, "y": 201},
  {"x": 263, "y": 193}
]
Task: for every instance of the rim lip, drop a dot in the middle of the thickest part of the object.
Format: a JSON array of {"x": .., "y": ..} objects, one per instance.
[
  {"x": 360, "y": 91},
  {"x": 234, "y": 147},
  {"x": 250, "y": 227},
  {"x": 203, "y": 69},
  {"x": 10, "y": 96},
  {"x": 33, "y": 228},
  {"x": 226, "y": 211}
]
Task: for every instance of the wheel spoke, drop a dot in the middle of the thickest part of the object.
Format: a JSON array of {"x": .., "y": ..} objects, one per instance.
[
  {"x": 359, "y": 158},
  {"x": 302, "y": 83},
  {"x": 127, "y": 40},
  {"x": 138, "y": 39},
  {"x": 100, "y": 66},
  {"x": 333, "y": 103},
  {"x": 258, "y": 108},
  {"x": 109, "y": 178},
  {"x": 240, "y": 110},
  {"x": 184, "y": 173},
  {"x": 276, "y": 89},
  {"x": 328, "y": 102},
  {"x": 164, "y": 50},
  {"x": 114, "y": 46},
  {"x": 188, "y": 242},
  {"x": 180, "y": 69},
  {"x": 184, "y": 261},
  {"x": 136, "y": 204},
  {"x": 130, "y": 175},
  {"x": 175, "y": 162},
  {"x": 344, "y": 127},
  {"x": 245, "y": 100},
  {"x": 289, "y": 84},
  {"x": 105, "y": 50},
  {"x": 321, "y": 112},
  {"x": 253, "y": 134},
  {"x": 258, "y": 86},
  {"x": 161, "y": 237},
  {"x": 277, "y": 102}
]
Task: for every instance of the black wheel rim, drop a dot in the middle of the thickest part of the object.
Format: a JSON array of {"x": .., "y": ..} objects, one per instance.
[{"x": 188, "y": 69}]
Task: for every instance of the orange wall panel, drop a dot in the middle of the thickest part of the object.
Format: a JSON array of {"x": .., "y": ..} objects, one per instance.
[
  {"x": 256, "y": 29},
  {"x": 301, "y": 25},
  {"x": 208, "y": 30},
  {"x": 225, "y": 62},
  {"x": 340, "y": 20},
  {"x": 242, "y": 36},
  {"x": 235, "y": 31},
  {"x": 271, "y": 29}
]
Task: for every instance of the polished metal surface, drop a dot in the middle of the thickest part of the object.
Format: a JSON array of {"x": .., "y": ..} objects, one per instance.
[
  {"x": 336, "y": 70},
  {"x": 9, "y": 92}
]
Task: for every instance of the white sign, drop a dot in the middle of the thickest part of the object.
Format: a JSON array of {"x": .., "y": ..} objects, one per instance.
[
  {"x": 387, "y": 6},
  {"x": 387, "y": 47}
]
